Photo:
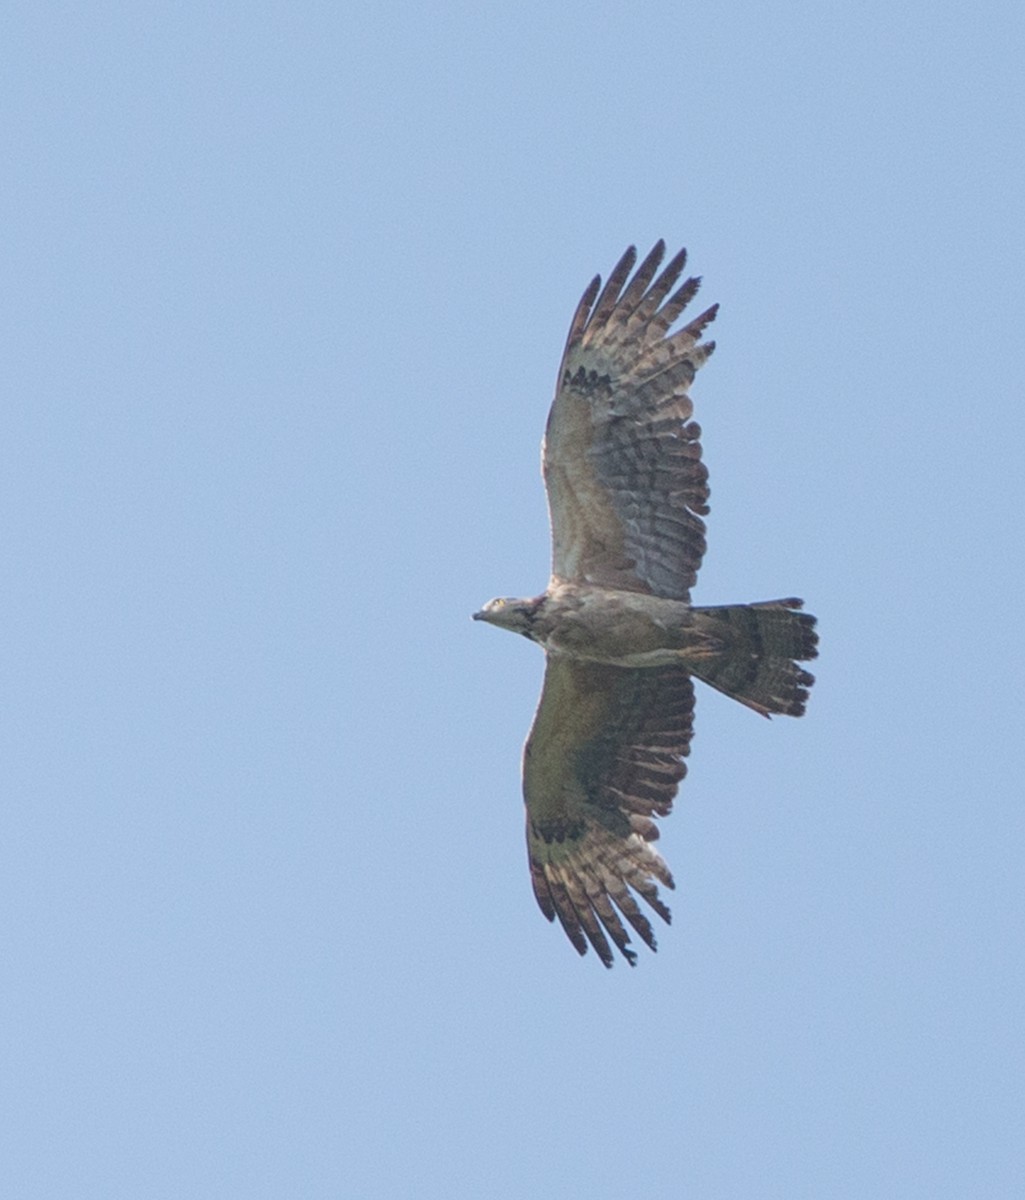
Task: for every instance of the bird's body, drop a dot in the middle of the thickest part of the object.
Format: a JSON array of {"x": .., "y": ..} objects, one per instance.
[
  {"x": 606, "y": 625},
  {"x": 626, "y": 491},
  {"x": 619, "y": 628}
]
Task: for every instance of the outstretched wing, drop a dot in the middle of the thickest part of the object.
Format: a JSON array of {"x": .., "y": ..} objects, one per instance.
[
  {"x": 602, "y": 759},
  {"x": 622, "y": 459}
]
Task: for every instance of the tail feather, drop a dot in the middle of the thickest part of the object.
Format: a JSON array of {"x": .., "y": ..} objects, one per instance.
[{"x": 761, "y": 647}]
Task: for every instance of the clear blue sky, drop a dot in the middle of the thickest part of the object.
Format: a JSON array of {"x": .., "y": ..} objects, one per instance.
[{"x": 284, "y": 292}]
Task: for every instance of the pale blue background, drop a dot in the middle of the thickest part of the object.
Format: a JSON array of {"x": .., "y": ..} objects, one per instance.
[{"x": 284, "y": 291}]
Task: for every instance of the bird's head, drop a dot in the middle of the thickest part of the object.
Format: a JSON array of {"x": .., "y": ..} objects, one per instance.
[{"x": 508, "y": 613}]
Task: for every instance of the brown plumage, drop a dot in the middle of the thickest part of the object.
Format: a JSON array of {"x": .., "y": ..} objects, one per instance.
[{"x": 626, "y": 494}]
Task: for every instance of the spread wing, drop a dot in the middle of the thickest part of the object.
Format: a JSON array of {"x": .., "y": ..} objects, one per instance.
[
  {"x": 621, "y": 457},
  {"x": 602, "y": 759}
]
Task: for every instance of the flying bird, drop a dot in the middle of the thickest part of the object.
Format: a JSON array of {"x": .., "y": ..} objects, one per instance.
[{"x": 627, "y": 491}]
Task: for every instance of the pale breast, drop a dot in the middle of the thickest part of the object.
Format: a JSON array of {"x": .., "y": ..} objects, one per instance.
[{"x": 616, "y": 627}]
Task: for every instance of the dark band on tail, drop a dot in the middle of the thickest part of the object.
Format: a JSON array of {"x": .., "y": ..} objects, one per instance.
[{"x": 762, "y": 645}]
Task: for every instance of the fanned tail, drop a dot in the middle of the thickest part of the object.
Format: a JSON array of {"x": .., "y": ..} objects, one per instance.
[{"x": 761, "y": 647}]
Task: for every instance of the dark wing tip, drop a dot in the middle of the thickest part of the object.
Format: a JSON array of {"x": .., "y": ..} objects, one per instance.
[
  {"x": 591, "y": 291},
  {"x": 613, "y": 287},
  {"x": 654, "y": 257}
]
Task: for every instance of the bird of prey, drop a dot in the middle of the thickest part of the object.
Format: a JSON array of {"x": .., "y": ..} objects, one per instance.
[{"x": 627, "y": 489}]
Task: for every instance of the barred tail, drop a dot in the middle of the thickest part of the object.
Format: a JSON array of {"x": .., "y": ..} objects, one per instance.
[{"x": 760, "y": 643}]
